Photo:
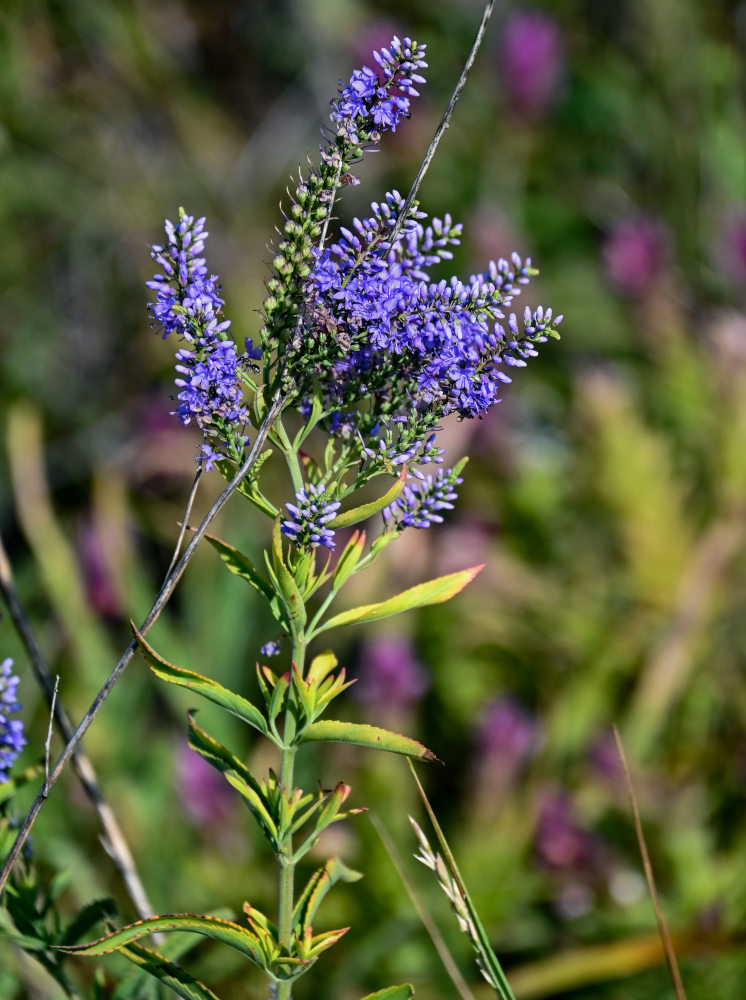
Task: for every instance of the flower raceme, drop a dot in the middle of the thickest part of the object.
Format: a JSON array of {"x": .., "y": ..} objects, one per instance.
[
  {"x": 209, "y": 368},
  {"x": 12, "y": 740},
  {"x": 365, "y": 337}
]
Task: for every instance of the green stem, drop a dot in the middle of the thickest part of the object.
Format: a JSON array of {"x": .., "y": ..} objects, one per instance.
[{"x": 287, "y": 865}]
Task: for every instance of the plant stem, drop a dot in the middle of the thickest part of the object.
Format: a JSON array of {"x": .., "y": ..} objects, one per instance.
[{"x": 287, "y": 865}]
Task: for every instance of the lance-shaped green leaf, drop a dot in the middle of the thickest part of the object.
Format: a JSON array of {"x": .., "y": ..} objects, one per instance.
[
  {"x": 392, "y": 993},
  {"x": 239, "y": 777},
  {"x": 167, "y": 972},
  {"x": 433, "y": 592},
  {"x": 291, "y": 595},
  {"x": 349, "y": 559},
  {"x": 242, "y": 566},
  {"x": 225, "y": 931},
  {"x": 357, "y": 514},
  {"x": 321, "y": 666},
  {"x": 329, "y": 731},
  {"x": 205, "y": 686},
  {"x": 317, "y": 887}
]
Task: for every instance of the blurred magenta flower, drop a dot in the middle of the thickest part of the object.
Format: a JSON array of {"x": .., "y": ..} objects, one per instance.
[
  {"x": 560, "y": 842},
  {"x": 532, "y": 62},
  {"x": 508, "y": 736},
  {"x": 391, "y": 678},
  {"x": 636, "y": 252},
  {"x": 206, "y": 798},
  {"x": 734, "y": 247},
  {"x": 101, "y": 589}
]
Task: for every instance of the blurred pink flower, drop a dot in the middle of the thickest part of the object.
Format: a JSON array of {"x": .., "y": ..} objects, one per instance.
[
  {"x": 532, "y": 62},
  {"x": 101, "y": 590},
  {"x": 507, "y": 736},
  {"x": 391, "y": 678},
  {"x": 636, "y": 252},
  {"x": 206, "y": 798},
  {"x": 560, "y": 842}
]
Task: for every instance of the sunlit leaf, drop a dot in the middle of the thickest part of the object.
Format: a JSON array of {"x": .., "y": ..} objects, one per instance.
[
  {"x": 328, "y": 730},
  {"x": 433, "y": 592},
  {"x": 205, "y": 686},
  {"x": 356, "y": 514},
  {"x": 181, "y": 982}
]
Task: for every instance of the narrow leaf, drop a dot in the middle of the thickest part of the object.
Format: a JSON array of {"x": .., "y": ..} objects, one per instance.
[
  {"x": 317, "y": 887},
  {"x": 225, "y": 931},
  {"x": 181, "y": 982},
  {"x": 356, "y": 514},
  {"x": 242, "y": 566},
  {"x": 433, "y": 592},
  {"x": 349, "y": 559},
  {"x": 330, "y": 731},
  {"x": 208, "y": 688},
  {"x": 294, "y": 604},
  {"x": 321, "y": 666}
]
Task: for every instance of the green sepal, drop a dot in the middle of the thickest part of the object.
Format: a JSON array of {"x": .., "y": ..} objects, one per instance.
[
  {"x": 242, "y": 566},
  {"x": 356, "y": 514},
  {"x": 432, "y": 592},
  {"x": 316, "y": 889},
  {"x": 362, "y": 735},
  {"x": 295, "y": 608},
  {"x": 238, "y": 777},
  {"x": 205, "y": 686},
  {"x": 392, "y": 993},
  {"x": 167, "y": 972},
  {"x": 348, "y": 560}
]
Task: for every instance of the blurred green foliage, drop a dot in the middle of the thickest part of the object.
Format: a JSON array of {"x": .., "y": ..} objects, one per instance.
[{"x": 607, "y": 493}]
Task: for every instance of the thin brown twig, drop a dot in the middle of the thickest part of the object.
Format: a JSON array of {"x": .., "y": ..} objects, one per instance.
[
  {"x": 50, "y": 730},
  {"x": 164, "y": 595},
  {"x": 445, "y": 121},
  {"x": 187, "y": 512},
  {"x": 668, "y": 948},
  {"x": 115, "y": 843}
]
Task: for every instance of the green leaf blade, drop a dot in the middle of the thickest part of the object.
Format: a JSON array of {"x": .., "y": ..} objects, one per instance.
[
  {"x": 357, "y": 514},
  {"x": 443, "y": 588},
  {"x": 327, "y": 730},
  {"x": 168, "y": 973},
  {"x": 392, "y": 993},
  {"x": 205, "y": 686}
]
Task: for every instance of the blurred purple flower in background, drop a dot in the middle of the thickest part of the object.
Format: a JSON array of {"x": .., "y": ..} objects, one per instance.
[
  {"x": 532, "y": 63},
  {"x": 206, "y": 798},
  {"x": 508, "y": 736},
  {"x": 560, "y": 842},
  {"x": 734, "y": 247},
  {"x": 101, "y": 588},
  {"x": 636, "y": 252},
  {"x": 391, "y": 678}
]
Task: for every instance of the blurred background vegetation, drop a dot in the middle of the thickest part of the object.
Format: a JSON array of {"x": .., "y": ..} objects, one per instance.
[{"x": 607, "y": 493}]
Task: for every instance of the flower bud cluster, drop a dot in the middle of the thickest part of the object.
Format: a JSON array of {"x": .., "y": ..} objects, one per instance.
[
  {"x": 310, "y": 517},
  {"x": 188, "y": 304},
  {"x": 422, "y": 498},
  {"x": 12, "y": 740}
]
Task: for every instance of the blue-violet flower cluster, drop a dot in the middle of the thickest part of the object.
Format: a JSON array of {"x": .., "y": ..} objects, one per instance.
[
  {"x": 375, "y": 101},
  {"x": 12, "y": 740},
  {"x": 310, "y": 517},
  {"x": 209, "y": 368}
]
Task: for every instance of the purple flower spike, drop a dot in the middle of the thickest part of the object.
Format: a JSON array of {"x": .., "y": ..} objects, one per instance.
[
  {"x": 209, "y": 367},
  {"x": 310, "y": 515},
  {"x": 12, "y": 740}
]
